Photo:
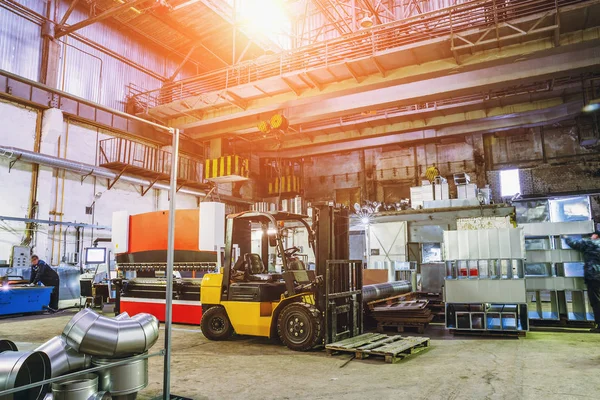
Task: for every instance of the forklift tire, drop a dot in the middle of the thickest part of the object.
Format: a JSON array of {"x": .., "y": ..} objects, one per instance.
[
  {"x": 215, "y": 324},
  {"x": 299, "y": 326}
]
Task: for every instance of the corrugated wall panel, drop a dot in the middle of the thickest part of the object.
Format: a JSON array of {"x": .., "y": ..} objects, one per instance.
[
  {"x": 81, "y": 73},
  {"x": 121, "y": 42},
  {"x": 20, "y": 45},
  {"x": 39, "y": 6},
  {"x": 99, "y": 77},
  {"x": 96, "y": 76}
]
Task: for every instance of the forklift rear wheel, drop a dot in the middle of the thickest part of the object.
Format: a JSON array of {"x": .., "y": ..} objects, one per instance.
[
  {"x": 215, "y": 324},
  {"x": 299, "y": 326}
]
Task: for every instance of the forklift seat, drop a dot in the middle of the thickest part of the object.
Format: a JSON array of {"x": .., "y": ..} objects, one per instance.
[
  {"x": 254, "y": 264},
  {"x": 256, "y": 271}
]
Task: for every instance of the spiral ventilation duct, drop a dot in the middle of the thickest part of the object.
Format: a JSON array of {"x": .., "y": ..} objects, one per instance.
[
  {"x": 7, "y": 345},
  {"x": 84, "y": 387},
  {"x": 63, "y": 359},
  {"x": 19, "y": 368},
  {"x": 383, "y": 290},
  {"x": 90, "y": 333}
]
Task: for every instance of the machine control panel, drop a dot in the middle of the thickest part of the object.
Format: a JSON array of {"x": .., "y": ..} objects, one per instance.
[{"x": 21, "y": 257}]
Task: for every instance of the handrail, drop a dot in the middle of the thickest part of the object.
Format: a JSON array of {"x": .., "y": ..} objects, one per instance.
[{"x": 476, "y": 14}]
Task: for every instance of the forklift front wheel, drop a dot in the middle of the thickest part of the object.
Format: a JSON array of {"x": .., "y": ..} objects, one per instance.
[
  {"x": 215, "y": 324},
  {"x": 299, "y": 326}
]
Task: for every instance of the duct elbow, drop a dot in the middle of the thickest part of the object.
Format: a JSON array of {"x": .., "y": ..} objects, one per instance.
[
  {"x": 90, "y": 333},
  {"x": 63, "y": 359}
]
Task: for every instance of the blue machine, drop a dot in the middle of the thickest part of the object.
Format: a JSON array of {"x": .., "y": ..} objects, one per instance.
[{"x": 17, "y": 299}]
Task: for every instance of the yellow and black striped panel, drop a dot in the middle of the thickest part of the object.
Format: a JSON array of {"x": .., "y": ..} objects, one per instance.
[
  {"x": 225, "y": 166},
  {"x": 285, "y": 184}
]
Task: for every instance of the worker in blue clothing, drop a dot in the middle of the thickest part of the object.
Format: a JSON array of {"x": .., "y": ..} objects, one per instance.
[
  {"x": 42, "y": 272},
  {"x": 591, "y": 271}
]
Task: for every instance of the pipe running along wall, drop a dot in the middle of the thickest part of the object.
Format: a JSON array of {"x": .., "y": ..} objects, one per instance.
[
  {"x": 90, "y": 333},
  {"x": 14, "y": 153}
]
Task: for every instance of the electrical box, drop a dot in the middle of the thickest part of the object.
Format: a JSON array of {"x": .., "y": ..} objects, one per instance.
[
  {"x": 21, "y": 257},
  {"x": 120, "y": 232},
  {"x": 212, "y": 226}
]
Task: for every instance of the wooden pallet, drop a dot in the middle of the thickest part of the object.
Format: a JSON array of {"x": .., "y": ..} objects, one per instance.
[{"x": 391, "y": 348}]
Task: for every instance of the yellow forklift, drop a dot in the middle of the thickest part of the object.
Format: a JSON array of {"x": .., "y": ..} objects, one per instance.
[{"x": 304, "y": 308}]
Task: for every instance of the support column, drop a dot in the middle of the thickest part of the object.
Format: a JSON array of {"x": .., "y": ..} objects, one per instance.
[
  {"x": 50, "y": 49},
  {"x": 479, "y": 158},
  {"x": 216, "y": 148},
  {"x": 35, "y": 169}
]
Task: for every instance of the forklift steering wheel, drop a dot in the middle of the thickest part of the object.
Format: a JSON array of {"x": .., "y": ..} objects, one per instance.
[{"x": 291, "y": 251}]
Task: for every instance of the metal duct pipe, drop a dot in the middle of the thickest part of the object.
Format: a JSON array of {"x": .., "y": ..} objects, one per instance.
[
  {"x": 18, "y": 368},
  {"x": 84, "y": 387},
  {"x": 383, "y": 290},
  {"x": 7, "y": 345},
  {"x": 63, "y": 359},
  {"x": 123, "y": 315},
  {"x": 123, "y": 382},
  {"x": 14, "y": 153},
  {"x": 90, "y": 333},
  {"x": 96, "y": 396}
]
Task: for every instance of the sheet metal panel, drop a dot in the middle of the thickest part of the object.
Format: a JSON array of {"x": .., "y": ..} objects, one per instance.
[
  {"x": 483, "y": 223},
  {"x": 484, "y": 244},
  {"x": 553, "y": 256},
  {"x": 390, "y": 239},
  {"x": 558, "y": 228},
  {"x": 555, "y": 283},
  {"x": 504, "y": 291}
]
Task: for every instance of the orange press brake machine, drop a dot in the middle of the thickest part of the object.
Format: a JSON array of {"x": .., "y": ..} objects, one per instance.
[{"x": 140, "y": 244}]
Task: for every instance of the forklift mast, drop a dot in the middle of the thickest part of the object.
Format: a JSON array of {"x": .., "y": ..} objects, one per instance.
[{"x": 340, "y": 296}]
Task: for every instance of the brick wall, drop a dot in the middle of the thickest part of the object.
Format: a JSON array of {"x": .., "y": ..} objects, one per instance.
[{"x": 550, "y": 161}]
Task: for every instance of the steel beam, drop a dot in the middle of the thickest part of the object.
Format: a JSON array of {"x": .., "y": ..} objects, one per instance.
[
  {"x": 549, "y": 116},
  {"x": 510, "y": 73},
  {"x": 177, "y": 27},
  {"x": 434, "y": 116},
  {"x": 435, "y": 122},
  {"x": 100, "y": 17},
  {"x": 24, "y": 91},
  {"x": 182, "y": 64},
  {"x": 411, "y": 37},
  {"x": 224, "y": 10},
  {"x": 68, "y": 12}
]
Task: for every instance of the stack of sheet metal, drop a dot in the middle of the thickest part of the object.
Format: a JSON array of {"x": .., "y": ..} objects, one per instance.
[{"x": 414, "y": 313}]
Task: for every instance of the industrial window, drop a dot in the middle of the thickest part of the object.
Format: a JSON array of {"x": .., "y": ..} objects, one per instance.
[{"x": 509, "y": 182}]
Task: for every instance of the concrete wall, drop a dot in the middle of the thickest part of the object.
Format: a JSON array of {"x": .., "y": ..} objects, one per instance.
[{"x": 62, "y": 195}]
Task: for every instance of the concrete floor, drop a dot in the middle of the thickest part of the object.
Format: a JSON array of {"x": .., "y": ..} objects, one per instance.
[{"x": 562, "y": 364}]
